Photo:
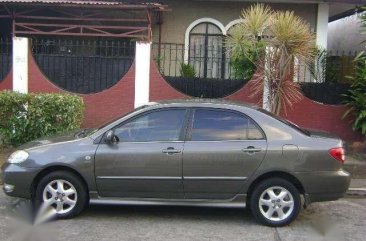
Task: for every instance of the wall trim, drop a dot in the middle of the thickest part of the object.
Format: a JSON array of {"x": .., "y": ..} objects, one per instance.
[{"x": 233, "y": 23}]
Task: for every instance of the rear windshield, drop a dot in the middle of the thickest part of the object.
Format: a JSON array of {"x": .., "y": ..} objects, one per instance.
[{"x": 286, "y": 122}]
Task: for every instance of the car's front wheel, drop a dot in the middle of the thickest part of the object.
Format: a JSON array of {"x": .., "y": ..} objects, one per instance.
[
  {"x": 275, "y": 202},
  {"x": 63, "y": 192}
]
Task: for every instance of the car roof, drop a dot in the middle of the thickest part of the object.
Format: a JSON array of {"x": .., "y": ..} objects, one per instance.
[{"x": 201, "y": 102}]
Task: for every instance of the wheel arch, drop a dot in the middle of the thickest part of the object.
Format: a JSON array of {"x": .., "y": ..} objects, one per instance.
[
  {"x": 56, "y": 168},
  {"x": 279, "y": 174}
]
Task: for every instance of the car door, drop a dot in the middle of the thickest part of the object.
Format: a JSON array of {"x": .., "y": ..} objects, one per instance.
[
  {"x": 146, "y": 161},
  {"x": 223, "y": 148}
]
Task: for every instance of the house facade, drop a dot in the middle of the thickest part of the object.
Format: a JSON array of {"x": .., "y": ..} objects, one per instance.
[{"x": 119, "y": 55}]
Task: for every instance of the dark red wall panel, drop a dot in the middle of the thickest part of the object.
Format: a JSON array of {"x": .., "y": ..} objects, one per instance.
[
  {"x": 160, "y": 89},
  {"x": 100, "y": 107},
  {"x": 310, "y": 114},
  {"x": 119, "y": 99},
  {"x": 7, "y": 83},
  {"x": 306, "y": 113}
]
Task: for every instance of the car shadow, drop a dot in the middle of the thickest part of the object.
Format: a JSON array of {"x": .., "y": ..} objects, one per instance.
[{"x": 233, "y": 215}]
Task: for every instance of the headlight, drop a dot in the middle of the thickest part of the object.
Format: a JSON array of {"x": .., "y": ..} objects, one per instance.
[{"x": 18, "y": 157}]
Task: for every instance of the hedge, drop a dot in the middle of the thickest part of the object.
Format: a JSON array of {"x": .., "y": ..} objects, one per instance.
[{"x": 25, "y": 117}]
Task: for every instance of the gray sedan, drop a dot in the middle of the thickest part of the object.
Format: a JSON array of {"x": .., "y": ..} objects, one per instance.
[{"x": 192, "y": 152}]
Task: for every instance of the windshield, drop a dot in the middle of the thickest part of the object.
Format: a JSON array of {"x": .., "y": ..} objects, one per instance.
[
  {"x": 286, "y": 122},
  {"x": 115, "y": 119}
]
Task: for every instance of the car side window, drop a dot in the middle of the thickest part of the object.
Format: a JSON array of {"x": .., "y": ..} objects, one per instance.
[
  {"x": 254, "y": 133},
  {"x": 220, "y": 125},
  {"x": 162, "y": 125}
]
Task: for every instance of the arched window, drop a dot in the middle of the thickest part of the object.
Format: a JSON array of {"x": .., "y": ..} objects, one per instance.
[
  {"x": 206, "y": 53},
  {"x": 232, "y": 24}
]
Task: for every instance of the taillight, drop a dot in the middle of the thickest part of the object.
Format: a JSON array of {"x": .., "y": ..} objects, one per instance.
[{"x": 338, "y": 154}]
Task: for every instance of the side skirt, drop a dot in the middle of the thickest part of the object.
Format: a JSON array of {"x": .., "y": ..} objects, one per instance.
[{"x": 238, "y": 201}]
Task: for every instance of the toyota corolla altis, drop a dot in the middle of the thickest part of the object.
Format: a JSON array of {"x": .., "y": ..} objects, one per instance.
[{"x": 192, "y": 152}]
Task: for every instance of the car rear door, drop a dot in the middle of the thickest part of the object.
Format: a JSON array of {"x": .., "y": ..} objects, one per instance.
[
  {"x": 223, "y": 148},
  {"x": 147, "y": 160}
]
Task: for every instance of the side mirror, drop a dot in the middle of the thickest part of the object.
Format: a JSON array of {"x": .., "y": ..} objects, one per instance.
[{"x": 110, "y": 137}]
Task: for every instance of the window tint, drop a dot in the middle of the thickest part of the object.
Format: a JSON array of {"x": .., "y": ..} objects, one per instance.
[
  {"x": 164, "y": 125},
  {"x": 213, "y": 125}
]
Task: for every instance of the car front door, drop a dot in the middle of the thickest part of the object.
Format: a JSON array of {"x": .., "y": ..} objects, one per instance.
[
  {"x": 223, "y": 148},
  {"x": 146, "y": 161}
]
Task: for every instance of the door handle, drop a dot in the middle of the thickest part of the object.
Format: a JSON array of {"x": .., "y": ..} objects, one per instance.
[
  {"x": 251, "y": 150},
  {"x": 171, "y": 151}
]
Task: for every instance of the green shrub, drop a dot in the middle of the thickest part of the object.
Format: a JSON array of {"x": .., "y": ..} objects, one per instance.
[
  {"x": 25, "y": 117},
  {"x": 187, "y": 71},
  {"x": 244, "y": 55},
  {"x": 356, "y": 97},
  {"x": 243, "y": 67}
]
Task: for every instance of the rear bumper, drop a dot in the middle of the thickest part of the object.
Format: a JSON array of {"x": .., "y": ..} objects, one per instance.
[
  {"x": 18, "y": 180},
  {"x": 325, "y": 186}
]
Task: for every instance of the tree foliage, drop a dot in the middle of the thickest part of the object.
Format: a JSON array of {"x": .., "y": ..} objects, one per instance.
[{"x": 282, "y": 42}]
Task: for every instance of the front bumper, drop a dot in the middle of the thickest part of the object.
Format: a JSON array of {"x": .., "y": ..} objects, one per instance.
[
  {"x": 18, "y": 180},
  {"x": 325, "y": 185}
]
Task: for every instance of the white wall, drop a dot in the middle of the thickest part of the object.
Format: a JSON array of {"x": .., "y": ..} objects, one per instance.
[{"x": 344, "y": 35}]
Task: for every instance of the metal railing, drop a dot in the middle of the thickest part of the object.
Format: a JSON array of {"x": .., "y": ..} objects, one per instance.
[
  {"x": 215, "y": 76},
  {"x": 209, "y": 62},
  {"x": 214, "y": 62},
  {"x": 340, "y": 64},
  {"x": 83, "y": 66}
]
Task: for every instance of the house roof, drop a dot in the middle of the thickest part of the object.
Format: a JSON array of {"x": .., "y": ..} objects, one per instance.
[{"x": 112, "y": 3}]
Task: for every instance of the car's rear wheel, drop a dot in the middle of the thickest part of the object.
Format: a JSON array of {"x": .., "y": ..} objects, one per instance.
[
  {"x": 275, "y": 202},
  {"x": 62, "y": 192}
]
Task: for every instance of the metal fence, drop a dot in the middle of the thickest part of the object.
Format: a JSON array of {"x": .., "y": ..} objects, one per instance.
[
  {"x": 326, "y": 92},
  {"x": 6, "y": 55},
  {"x": 89, "y": 66},
  {"x": 215, "y": 76},
  {"x": 340, "y": 65},
  {"x": 83, "y": 66},
  {"x": 206, "y": 88},
  {"x": 215, "y": 62},
  {"x": 208, "y": 62}
]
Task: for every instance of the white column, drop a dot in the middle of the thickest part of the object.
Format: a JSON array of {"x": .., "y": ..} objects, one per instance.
[
  {"x": 322, "y": 25},
  {"x": 321, "y": 33},
  {"x": 20, "y": 64},
  {"x": 142, "y": 73},
  {"x": 266, "y": 104}
]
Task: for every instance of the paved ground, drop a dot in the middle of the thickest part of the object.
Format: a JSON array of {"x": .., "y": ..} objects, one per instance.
[{"x": 341, "y": 220}]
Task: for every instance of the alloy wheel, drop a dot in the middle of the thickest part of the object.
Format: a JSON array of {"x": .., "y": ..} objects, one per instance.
[
  {"x": 60, "y": 195},
  {"x": 276, "y": 203}
]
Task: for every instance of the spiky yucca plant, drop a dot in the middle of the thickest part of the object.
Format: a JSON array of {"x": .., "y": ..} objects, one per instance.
[{"x": 283, "y": 40}]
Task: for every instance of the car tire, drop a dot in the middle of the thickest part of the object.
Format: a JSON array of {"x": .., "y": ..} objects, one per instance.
[
  {"x": 63, "y": 191},
  {"x": 275, "y": 202}
]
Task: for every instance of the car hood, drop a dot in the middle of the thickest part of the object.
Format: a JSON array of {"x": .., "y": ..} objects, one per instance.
[{"x": 64, "y": 137}]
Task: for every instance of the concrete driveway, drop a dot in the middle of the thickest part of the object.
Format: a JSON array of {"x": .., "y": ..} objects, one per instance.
[{"x": 341, "y": 220}]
